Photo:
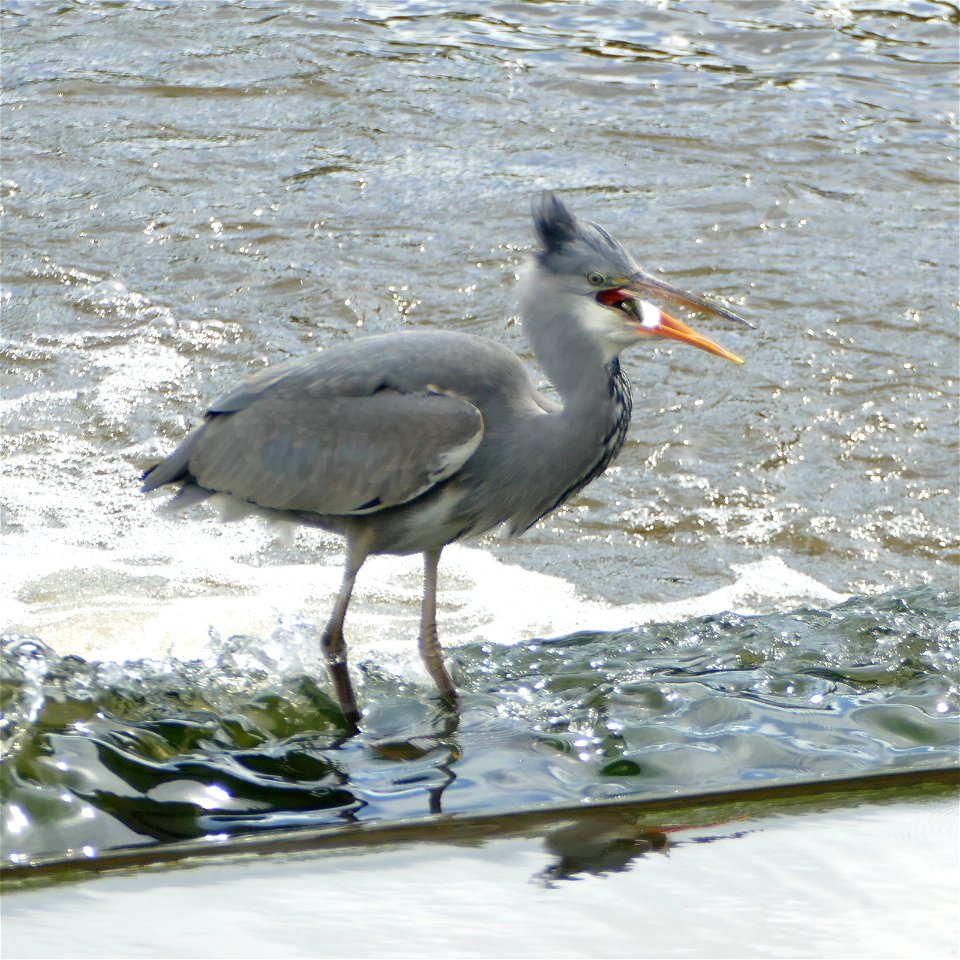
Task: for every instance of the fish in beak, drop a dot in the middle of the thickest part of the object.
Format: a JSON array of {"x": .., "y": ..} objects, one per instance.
[{"x": 630, "y": 296}]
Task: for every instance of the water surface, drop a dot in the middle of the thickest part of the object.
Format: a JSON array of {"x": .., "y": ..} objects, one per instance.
[
  {"x": 191, "y": 192},
  {"x": 106, "y": 755}
]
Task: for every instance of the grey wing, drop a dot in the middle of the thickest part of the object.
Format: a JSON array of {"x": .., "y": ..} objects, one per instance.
[{"x": 327, "y": 454}]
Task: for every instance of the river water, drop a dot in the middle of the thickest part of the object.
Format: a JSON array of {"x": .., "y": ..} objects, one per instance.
[{"x": 764, "y": 587}]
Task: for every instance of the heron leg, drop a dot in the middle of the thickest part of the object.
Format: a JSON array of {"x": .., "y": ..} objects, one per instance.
[
  {"x": 332, "y": 643},
  {"x": 430, "y": 649}
]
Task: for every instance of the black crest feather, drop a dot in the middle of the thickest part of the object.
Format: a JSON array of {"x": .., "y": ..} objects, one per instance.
[
  {"x": 556, "y": 226},
  {"x": 572, "y": 246}
]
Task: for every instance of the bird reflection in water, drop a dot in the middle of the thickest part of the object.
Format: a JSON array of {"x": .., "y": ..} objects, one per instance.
[{"x": 590, "y": 847}]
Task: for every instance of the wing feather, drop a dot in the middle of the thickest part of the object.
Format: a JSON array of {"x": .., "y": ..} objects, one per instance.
[{"x": 334, "y": 454}]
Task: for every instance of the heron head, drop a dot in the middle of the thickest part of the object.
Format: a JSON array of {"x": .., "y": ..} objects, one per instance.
[{"x": 581, "y": 259}]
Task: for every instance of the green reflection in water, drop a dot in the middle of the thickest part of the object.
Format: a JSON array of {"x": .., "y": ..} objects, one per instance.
[{"x": 100, "y": 755}]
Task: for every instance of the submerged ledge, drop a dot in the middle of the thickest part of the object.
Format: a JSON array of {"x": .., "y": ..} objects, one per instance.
[{"x": 602, "y": 819}]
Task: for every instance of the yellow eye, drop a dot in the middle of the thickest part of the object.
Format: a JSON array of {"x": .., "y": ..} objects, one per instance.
[{"x": 597, "y": 279}]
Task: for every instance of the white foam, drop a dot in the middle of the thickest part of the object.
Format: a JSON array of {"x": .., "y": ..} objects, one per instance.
[
  {"x": 486, "y": 600},
  {"x": 166, "y": 589}
]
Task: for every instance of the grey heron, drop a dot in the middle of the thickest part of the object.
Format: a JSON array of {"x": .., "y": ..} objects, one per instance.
[{"x": 406, "y": 442}]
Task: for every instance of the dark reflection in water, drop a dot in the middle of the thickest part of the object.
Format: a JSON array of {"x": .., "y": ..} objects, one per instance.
[
  {"x": 593, "y": 848},
  {"x": 582, "y": 848},
  {"x": 101, "y": 754}
]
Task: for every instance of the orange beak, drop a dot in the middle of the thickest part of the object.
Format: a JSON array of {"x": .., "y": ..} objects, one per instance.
[
  {"x": 673, "y": 329},
  {"x": 655, "y": 321}
]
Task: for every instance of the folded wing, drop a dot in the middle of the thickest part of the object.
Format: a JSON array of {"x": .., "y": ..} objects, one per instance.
[{"x": 295, "y": 439}]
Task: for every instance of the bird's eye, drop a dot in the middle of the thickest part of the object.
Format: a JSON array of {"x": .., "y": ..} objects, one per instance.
[{"x": 597, "y": 279}]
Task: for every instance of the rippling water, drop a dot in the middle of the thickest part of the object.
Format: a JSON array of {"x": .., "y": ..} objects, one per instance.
[
  {"x": 192, "y": 191},
  {"x": 104, "y": 754}
]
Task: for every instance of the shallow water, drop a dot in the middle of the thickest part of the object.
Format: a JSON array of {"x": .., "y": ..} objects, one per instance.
[
  {"x": 101, "y": 755},
  {"x": 190, "y": 192}
]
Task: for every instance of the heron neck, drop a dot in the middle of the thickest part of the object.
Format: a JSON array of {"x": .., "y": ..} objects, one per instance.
[
  {"x": 589, "y": 428},
  {"x": 576, "y": 363},
  {"x": 574, "y": 444},
  {"x": 597, "y": 405},
  {"x": 592, "y": 422}
]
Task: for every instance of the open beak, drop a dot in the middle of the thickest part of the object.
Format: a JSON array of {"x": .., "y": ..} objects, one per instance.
[{"x": 655, "y": 321}]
